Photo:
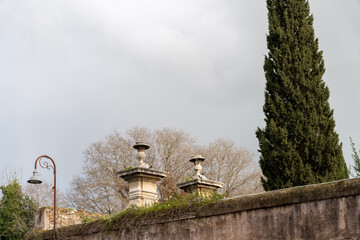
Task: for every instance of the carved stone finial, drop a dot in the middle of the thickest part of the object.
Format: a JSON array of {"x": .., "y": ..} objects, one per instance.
[
  {"x": 141, "y": 147},
  {"x": 197, "y": 160},
  {"x": 199, "y": 183}
]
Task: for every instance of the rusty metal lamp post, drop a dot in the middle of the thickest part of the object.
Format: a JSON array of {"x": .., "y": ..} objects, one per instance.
[{"x": 35, "y": 179}]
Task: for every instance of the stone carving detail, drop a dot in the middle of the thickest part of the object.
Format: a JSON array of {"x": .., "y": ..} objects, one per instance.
[
  {"x": 141, "y": 155},
  {"x": 199, "y": 183},
  {"x": 142, "y": 180},
  {"x": 197, "y": 160}
]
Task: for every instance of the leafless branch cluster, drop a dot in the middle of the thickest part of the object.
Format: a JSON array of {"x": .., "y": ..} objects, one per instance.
[
  {"x": 99, "y": 189},
  {"x": 43, "y": 194}
]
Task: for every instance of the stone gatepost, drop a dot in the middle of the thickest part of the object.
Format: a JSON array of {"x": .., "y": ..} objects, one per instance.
[
  {"x": 199, "y": 183},
  {"x": 142, "y": 179}
]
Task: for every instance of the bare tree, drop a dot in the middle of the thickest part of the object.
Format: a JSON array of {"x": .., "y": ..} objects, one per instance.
[
  {"x": 169, "y": 148},
  {"x": 173, "y": 148},
  {"x": 9, "y": 173},
  {"x": 99, "y": 189},
  {"x": 43, "y": 195},
  {"x": 232, "y": 165}
]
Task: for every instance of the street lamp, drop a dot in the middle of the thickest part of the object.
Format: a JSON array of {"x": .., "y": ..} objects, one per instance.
[{"x": 35, "y": 179}]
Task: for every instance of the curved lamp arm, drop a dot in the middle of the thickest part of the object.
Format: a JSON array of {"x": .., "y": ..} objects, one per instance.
[{"x": 46, "y": 165}]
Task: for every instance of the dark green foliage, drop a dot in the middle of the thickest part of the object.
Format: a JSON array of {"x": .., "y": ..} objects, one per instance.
[
  {"x": 298, "y": 145},
  {"x": 16, "y": 212},
  {"x": 356, "y": 158}
]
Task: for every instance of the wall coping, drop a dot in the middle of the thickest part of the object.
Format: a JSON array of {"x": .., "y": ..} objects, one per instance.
[
  {"x": 277, "y": 198},
  {"x": 287, "y": 196}
]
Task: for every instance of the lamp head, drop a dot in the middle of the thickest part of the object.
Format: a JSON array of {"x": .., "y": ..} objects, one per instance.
[{"x": 35, "y": 179}]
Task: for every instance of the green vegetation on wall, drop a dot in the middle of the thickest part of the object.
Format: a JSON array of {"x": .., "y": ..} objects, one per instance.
[{"x": 298, "y": 145}]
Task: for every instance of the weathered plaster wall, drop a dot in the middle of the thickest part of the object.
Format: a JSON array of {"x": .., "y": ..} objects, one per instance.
[
  {"x": 64, "y": 217},
  {"x": 321, "y": 211}
]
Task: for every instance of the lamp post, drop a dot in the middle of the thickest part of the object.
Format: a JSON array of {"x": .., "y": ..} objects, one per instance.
[{"x": 35, "y": 179}]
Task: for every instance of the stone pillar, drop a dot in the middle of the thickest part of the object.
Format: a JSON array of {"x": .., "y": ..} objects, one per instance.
[
  {"x": 199, "y": 183},
  {"x": 42, "y": 221},
  {"x": 142, "y": 179}
]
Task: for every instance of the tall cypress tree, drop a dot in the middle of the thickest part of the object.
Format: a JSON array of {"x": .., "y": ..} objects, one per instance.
[{"x": 298, "y": 145}]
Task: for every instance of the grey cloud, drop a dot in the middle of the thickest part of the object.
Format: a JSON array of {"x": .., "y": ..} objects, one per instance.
[{"x": 72, "y": 71}]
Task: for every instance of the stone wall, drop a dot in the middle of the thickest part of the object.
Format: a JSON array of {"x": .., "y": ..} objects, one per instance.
[
  {"x": 64, "y": 217},
  {"x": 321, "y": 211}
]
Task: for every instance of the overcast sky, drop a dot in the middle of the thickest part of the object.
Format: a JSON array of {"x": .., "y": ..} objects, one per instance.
[{"x": 72, "y": 71}]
